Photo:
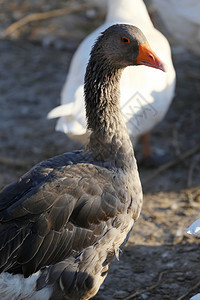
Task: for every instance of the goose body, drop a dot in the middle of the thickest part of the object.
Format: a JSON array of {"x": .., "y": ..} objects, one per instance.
[
  {"x": 181, "y": 18},
  {"x": 145, "y": 93},
  {"x": 64, "y": 220}
]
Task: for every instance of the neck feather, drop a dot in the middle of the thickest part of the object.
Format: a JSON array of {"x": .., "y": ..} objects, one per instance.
[
  {"x": 109, "y": 140},
  {"x": 102, "y": 97},
  {"x": 126, "y": 11}
]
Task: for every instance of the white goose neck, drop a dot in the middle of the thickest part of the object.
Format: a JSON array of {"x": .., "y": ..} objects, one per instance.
[{"x": 128, "y": 11}]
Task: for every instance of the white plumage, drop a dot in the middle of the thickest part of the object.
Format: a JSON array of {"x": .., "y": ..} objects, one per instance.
[
  {"x": 143, "y": 103},
  {"x": 182, "y": 20},
  {"x": 17, "y": 287},
  {"x": 196, "y": 297},
  {"x": 194, "y": 228}
]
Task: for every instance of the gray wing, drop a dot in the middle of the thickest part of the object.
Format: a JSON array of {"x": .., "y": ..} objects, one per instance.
[{"x": 51, "y": 213}]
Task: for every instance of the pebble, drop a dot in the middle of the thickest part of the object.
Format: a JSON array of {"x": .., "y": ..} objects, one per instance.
[
  {"x": 123, "y": 267},
  {"x": 181, "y": 279},
  {"x": 120, "y": 295},
  {"x": 165, "y": 254},
  {"x": 91, "y": 13},
  {"x": 48, "y": 41},
  {"x": 174, "y": 206},
  {"x": 190, "y": 275},
  {"x": 180, "y": 232},
  {"x": 170, "y": 265},
  {"x": 144, "y": 296}
]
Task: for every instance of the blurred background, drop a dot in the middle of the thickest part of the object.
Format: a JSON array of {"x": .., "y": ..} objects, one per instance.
[{"x": 37, "y": 41}]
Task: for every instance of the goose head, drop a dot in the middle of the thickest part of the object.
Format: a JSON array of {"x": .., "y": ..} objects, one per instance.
[
  {"x": 123, "y": 45},
  {"x": 118, "y": 47}
]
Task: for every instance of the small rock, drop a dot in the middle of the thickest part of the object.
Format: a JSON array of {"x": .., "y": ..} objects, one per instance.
[
  {"x": 189, "y": 275},
  {"x": 120, "y": 295},
  {"x": 170, "y": 265},
  {"x": 91, "y": 13},
  {"x": 179, "y": 232},
  {"x": 181, "y": 279},
  {"x": 144, "y": 296},
  {"x": 123, "y": 267},
  {"x": 165, "y": 254},
  {"x": 174, "y": 206},
  {"x": 48, "y": 41}
]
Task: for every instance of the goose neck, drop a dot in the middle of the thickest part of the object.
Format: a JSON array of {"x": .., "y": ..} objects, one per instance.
[{"x": 109, "y": 139}]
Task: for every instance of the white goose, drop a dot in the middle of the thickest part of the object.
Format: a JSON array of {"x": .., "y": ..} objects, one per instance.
[
  {"x": 143, "y": 103},
  {"x": 182, "y": 20}
]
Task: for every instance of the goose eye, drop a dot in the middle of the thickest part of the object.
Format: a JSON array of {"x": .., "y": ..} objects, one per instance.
[{"x": 125, "y": 40}]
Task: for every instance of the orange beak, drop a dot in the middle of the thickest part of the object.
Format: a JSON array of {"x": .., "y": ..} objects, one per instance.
[{"x": 148, "y": 57}]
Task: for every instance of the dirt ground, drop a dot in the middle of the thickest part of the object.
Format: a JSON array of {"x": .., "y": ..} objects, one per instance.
[{"x": 160, "y": 261}]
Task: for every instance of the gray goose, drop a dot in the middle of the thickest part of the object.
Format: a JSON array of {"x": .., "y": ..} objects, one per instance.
[{"x": 63, "y": 221}]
